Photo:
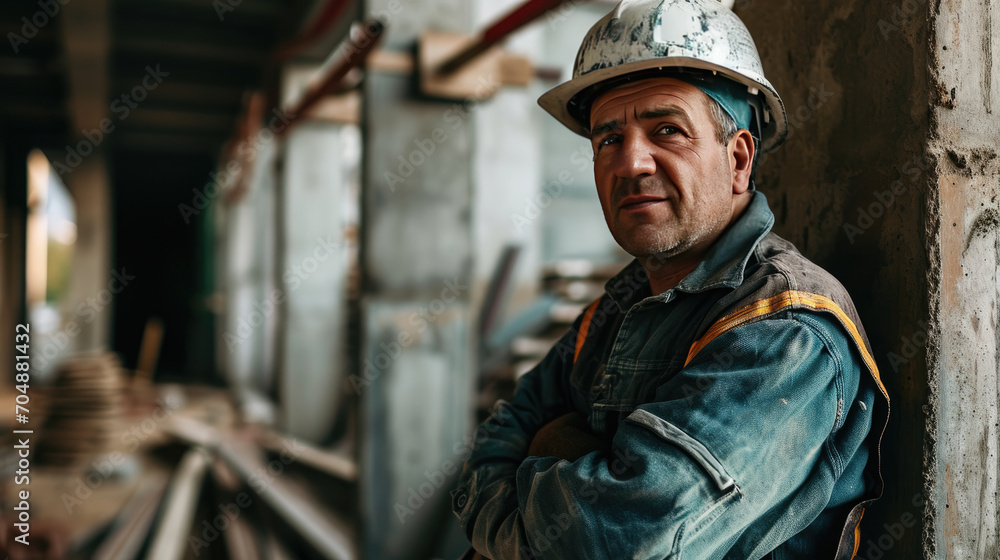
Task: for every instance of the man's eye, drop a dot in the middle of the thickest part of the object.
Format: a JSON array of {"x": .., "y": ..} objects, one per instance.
[
  {"x": 607, "y": 141},
  {"x": 668, "y": 130}
]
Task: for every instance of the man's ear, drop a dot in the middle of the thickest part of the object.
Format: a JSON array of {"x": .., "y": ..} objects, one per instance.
[{"x": 741, "y": 154}]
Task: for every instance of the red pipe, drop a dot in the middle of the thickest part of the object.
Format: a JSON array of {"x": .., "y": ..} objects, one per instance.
[
  {"x": 521, "y": 16},
  {"x": 327, "y": 17},
  {"x": 358, "y": 50}
]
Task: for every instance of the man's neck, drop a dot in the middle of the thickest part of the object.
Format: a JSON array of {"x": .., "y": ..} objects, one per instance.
[{"x": 665, "y": 273}]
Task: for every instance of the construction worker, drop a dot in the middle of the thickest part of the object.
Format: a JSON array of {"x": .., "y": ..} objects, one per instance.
[{"x": 720, "y": 400}]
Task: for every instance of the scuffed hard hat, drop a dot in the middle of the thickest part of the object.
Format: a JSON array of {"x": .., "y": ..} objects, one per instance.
[{"x": 642, "y": 37}]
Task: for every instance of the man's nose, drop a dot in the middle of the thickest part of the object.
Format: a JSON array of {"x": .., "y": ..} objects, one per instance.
[{"x": 635, "y": 159}]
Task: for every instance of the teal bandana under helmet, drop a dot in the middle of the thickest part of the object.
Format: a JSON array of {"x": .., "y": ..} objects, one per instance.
[{"x": 731, "y": 96}]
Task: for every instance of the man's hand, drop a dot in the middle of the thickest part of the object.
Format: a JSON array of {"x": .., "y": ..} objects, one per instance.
[{"x": 567, "y": 437}]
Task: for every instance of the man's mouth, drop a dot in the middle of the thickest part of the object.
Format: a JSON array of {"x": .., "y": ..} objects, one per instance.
[{"x": 639, "y": 202}]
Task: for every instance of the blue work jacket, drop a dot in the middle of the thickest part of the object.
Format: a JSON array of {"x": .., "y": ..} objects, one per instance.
[{"x": 742, "y": 407}]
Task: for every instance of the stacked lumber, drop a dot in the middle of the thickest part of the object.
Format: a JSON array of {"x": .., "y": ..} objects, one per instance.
[{"x": 84, "y": 412}]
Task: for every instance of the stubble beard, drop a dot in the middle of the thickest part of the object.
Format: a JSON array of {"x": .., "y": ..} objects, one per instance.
[{"x": 668, "y": 241}]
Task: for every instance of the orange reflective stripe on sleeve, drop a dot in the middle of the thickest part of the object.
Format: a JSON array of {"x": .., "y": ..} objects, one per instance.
[
  {"x": 584, "y": 327},
  {"x": 777, "y": 303},
  {"x": 857, "y": 536}
]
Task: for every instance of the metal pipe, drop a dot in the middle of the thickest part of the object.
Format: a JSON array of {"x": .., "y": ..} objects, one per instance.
[
  {"x": 521, "y": 16},
  {"x": 359, "y": 49}
]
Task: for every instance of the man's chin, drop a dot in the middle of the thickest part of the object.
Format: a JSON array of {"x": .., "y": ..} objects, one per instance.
[{"x": 654, "y": 252}]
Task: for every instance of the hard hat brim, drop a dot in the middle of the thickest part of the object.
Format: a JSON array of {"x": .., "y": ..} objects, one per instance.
[{"x": 556, "y": 100}]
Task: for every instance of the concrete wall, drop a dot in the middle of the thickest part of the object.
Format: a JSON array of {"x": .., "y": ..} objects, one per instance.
[
  {"x": 889, "y": 180},
  {"x": 857, "y": 95}
]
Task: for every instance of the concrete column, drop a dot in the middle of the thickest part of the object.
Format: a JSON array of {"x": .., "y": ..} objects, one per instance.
[
  {"x": 416, "y": 256},
  {"x": 314, "y": 275},
  {"x": 965, "y": 342},
  {"x": 507, "y": 171}
]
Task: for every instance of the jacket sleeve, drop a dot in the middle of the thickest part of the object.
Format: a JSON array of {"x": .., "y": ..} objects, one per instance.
[
  {"x": 733, "y": 437},
  {"x": 501, "y": 442}
]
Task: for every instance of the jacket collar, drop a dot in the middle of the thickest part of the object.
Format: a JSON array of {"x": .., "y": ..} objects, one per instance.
[{"x": 723, "y": 265}]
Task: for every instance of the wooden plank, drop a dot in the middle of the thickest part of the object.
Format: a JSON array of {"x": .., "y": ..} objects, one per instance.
[
  {"x": 476, "y": 80},
  {"x": 132, "y": 526},
  {"x": 327, "y": 535},
  {"x": 170, "y": 540},
  {"x": 328, "y": 462},
  {"x": 149, "y": 352},
  {"x": 241, "y": 537},
  {"x": 241, "y": 540}
]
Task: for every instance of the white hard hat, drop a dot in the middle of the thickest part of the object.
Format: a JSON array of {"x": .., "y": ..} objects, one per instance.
[{"x": 641, "y": 36}]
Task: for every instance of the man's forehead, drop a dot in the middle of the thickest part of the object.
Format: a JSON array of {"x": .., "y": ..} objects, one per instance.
[{"x": 649, "y": 93}]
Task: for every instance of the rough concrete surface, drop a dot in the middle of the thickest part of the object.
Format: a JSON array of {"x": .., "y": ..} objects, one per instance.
[
  {"x": 851, "y": 188},
  {"x": 966, "y": 369}
]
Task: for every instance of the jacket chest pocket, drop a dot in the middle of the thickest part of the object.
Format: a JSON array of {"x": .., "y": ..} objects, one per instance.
[{"x": 614, "y": 394}]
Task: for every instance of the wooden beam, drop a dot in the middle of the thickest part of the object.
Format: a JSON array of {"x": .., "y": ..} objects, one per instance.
[
  {"x": 131, "y": 528},
  {"x": 325, "y": 461},
  {"x": 327, "y": 535},
  {"x": 170, "y": 541}
]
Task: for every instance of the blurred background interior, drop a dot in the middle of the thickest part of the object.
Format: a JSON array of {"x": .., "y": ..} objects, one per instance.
[{"x": 279, "y": 257}]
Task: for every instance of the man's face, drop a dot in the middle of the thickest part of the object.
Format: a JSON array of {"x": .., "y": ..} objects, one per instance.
[{"x": 665, "y": 182}]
